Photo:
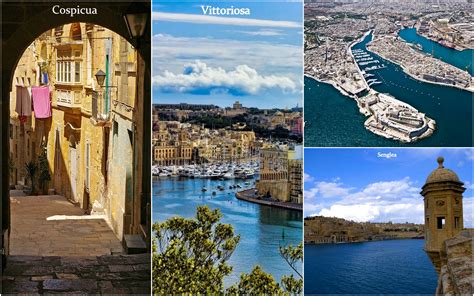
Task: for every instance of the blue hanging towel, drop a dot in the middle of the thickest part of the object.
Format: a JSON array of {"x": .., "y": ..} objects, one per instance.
[{"x": 44, "y": 78}]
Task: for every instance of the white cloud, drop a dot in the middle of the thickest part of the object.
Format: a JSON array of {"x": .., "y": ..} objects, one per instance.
[
  {"x": 310, "y": 208},
  {"x": 171, "y": 53},
  {"x": 399, "y": 212},
  {"x": 468, "y": 208},
  {"x": 332, "y": 189},
  {"x": 199, "y": 78},
  {"x": 307, "y": 178},
  {"x": 397, "y": 201},
  {"x": 469, "y": 185},
  {"x": 262, "y": 32},
  {"x": 221, "y": 20},
  {"x": 311, "y": 193}
]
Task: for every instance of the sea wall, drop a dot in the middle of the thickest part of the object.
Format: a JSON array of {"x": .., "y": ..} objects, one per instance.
[{"x": 456, "y": 273}]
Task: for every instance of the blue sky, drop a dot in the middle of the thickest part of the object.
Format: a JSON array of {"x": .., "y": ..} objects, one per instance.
[
  {"x": 256, "y": 59},
  {"x": 358, "y": 185}
]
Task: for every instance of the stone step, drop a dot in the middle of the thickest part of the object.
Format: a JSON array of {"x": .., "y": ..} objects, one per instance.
[{"x": 134, "y": 244}]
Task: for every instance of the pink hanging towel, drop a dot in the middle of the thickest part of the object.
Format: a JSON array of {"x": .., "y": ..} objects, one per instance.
[
  {"x": 23, "y": 101},
  {"x": 41, "y": 101}
]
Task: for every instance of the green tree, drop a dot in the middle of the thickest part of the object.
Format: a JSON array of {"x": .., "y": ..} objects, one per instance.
[
  {"x": 190, "y": 254},
  {"x": 260, "y": 283},
  {"x": 292, "y": 256},
  {"x": 257, "y": 282},
  {"x": 189, "y": 257}
]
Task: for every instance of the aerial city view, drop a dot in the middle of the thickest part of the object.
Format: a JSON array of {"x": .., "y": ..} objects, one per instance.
[
  {"x": 388, "y": 73},
  {"x": 227, "y": 150},
  {"x": 377, "y": 221}
]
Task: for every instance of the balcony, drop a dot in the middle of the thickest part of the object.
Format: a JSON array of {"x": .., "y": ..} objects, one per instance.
[
  {"x": 68, "y": 99},
  {"x": 100, "y": 109}
]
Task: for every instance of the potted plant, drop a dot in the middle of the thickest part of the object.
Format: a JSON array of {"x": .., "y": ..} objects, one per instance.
[
  {"x": 31, "y": 169},
  {"x": 43, "y": 166},
  {"x": 11, "y": 168}
]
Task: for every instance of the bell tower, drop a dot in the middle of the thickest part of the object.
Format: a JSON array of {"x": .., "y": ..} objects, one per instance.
[{"x": 442, "y": 195}]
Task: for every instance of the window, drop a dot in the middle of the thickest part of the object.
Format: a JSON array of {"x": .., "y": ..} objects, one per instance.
[
  {"x": 89, "y": 61},
  {"x": 441, "y": 221},
  {"x": 88, "y": 156},
  {"x": 456, "y": 222},
  {"x": 68, "y": 71},
  {"x": 65, "y": 70},
  {"x": 77, "y": 72}
]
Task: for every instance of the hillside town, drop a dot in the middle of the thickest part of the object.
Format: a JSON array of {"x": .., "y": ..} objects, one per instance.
[
  {"x": 329, "y": 230},
  {"x": 209, "y": 142}
]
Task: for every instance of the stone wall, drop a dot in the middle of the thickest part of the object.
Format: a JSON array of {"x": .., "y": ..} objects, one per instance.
[{"x": 456, "y": 272}]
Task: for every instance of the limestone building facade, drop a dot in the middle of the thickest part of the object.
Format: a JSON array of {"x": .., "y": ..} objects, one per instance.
[
  {"x": 447, "y": 242},
  {"x": 442, "y": 194},
  {"x": 91, "y": 137},
  {"x": 280, "y": 174}
]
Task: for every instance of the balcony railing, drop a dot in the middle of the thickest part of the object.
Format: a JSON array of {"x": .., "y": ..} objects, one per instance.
[
  {"x": 68, "y": 99},
  {"x": 100, "y": 108}
]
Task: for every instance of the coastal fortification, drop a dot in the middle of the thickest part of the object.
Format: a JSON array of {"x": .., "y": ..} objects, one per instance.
[
  {"x": 329, "y": 230},
  {"x": 448, "y": 245}
]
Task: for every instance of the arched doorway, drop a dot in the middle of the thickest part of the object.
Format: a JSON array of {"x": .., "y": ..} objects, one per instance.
[{"x": 23, "y": 23}]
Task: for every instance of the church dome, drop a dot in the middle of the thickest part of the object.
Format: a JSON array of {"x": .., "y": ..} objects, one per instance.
[{"x": 442, "y": 174}]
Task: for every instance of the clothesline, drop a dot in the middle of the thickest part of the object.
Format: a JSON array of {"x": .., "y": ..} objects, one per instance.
[{"x": 35, "y": 98}]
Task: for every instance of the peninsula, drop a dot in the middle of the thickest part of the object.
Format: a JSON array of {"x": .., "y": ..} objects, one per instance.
[
  {"x": 419, "y": 65},
  {"x": 330, "y": 230}
]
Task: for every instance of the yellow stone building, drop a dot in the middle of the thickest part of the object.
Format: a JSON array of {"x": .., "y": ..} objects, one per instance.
[
  {"x": 447, "y": 243},
  {"x": 177, "y": 143},
  {"x": 442, "y": 194},
  {"x": 92, "y": 136},
  {"x": 280, "y": 174}
]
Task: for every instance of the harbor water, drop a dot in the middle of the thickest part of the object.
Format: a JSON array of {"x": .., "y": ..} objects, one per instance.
[
  {"x": 262, "y": 229},
  {"x": 382, "y": 267},
  {"x": 332, "y": 119},
  {"x": 461, "y": 59}
]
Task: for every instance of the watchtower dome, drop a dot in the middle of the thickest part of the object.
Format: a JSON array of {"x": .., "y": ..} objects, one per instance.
[{"x": 442, "y": 194}]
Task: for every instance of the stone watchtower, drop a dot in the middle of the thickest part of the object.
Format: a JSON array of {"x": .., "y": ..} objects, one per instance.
[{"x": 442, "y": 194}]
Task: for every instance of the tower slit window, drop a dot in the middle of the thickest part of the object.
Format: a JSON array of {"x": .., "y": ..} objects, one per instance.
[{"x": 441, "y": 221}]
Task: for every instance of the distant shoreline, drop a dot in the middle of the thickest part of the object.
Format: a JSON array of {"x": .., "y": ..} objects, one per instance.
[
  {"x": 365, "y": 241},
  {"x": 245, "y": 196}
]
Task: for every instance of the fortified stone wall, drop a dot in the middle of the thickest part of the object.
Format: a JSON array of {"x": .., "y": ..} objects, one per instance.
[
  {"x": 319, "y": 230},
  {"x": 455, "y": 277}
]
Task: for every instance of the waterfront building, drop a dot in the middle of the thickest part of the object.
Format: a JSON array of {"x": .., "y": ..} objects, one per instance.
[
  {"x": 296, "y": 180},
  {"x": 91, "y": 129},
  {"x": 176, "y": 143},
  {"x": 280, "y": 174},
  {"x": 330, "y": 230}
]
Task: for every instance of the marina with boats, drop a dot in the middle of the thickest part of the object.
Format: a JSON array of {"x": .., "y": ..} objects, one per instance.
[
  {"x": 387, "y": 116},
  {"x": 214, "y": 171}
]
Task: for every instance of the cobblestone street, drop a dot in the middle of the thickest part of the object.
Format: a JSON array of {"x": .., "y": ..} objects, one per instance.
[
  {"x": 49, "y": 225},
  {"x": 109, "y": 274},
  {"x": 56, "y": 248}
]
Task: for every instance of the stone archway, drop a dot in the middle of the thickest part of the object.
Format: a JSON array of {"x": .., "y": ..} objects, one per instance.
[{"x": 23, "y": 22}]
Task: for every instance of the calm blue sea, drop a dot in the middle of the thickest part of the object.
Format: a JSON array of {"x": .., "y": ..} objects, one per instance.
[
  {"x": 461, "y": 59},
  {"x": 262, "y": 229},
  {"x": 332, "y": 119},
  {"x": 382, "y": 267}
]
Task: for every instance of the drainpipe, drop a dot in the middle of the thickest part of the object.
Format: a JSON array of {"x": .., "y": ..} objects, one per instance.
[
  {"x": 108, "y": 49},
  {"x": 107, "y": 84}
]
